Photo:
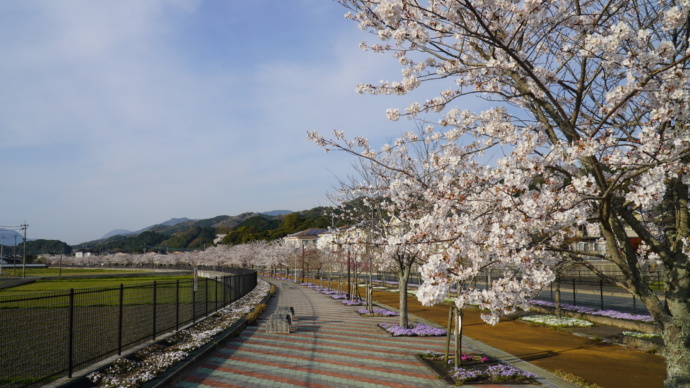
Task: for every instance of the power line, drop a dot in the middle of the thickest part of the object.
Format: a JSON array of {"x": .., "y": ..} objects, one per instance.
[
  {"x": 23, "y": 227},
  {"x": 12, "y": 227}
]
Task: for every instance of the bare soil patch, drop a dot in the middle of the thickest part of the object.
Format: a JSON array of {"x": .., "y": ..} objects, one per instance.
[{"x": 600, "y": 362}]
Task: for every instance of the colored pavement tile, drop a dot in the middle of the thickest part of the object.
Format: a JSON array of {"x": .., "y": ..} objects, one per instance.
[{"x": 329, "y": 345}]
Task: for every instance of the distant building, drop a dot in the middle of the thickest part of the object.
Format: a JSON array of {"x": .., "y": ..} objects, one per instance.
[
  {"x": 305, "y": 238},
  {"x": 7, "y": 260},
  {"x": 83, "y": 253}
]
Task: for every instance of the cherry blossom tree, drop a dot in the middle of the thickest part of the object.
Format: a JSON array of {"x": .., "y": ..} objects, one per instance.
[
  {"x": 586, "y": 130},
  {"x": 276, "y": 254},
  {"x": 382, "y": 215}
]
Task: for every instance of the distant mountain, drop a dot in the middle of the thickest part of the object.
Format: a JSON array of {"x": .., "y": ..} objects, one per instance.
[
  {"x": 125, "y": 232},
  {"x": 215, "y": 222},
  {"x": 175, "y": 221},
  {"x": 176, "y": 233},
  {"x": 185, "y": 233},
  {"x": 274, "y": 213},
  {"x": 117, "y": 232},
  {"x": 7, "y": 237}
]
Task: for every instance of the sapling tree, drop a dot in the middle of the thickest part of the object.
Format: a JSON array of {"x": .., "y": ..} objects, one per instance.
[
  {"x": 586, "y": 128},
  {"x": 385, "y": 215}
]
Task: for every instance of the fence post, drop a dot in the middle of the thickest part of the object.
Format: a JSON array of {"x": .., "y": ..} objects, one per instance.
[
  {"x": 194, "y": 304},
  {"x": 120, "y": 319},
  {"x": 215, "y": 286},
  {"x": 177, "y": 304},
  {"x": 70, "y": 334},
  {"x": 194, "y": 289},
  {"x": 574, "y": 301},
  {"x": 154, "y": 309},
  {"x": 225, "y": 290},
  {"x": 601, "y": 292}
]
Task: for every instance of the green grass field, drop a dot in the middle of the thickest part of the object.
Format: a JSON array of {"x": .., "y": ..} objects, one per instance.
[
  {"x": 35, "y": 317},
  {"x": 68, "y": 271},
  {"x": 104, "y": 291},
  {"x": 76, "y": 283}
]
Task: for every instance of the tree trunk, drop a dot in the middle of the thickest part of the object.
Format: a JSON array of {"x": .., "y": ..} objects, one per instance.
[
  {"x": 675, "y": 330},
  {"x": 558, "y": 296},
  {"x": 448, "y": 330},
  {"x": 677, "y": 352},
  {"x": 458, "y": 337},
  {"x": 403, "y": 277}
]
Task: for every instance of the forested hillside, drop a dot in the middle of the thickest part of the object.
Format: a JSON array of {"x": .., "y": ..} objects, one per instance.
[{"x": 198, "y": 234}]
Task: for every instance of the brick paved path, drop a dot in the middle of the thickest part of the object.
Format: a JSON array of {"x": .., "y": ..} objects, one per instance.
[{"x": 329, "y": 345}]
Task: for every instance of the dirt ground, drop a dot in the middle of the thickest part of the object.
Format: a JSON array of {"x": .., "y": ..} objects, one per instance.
[{"x": 608, "y": 365}]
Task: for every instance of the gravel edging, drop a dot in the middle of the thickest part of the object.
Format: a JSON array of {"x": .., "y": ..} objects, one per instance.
[{"x": 179, "y": 370}]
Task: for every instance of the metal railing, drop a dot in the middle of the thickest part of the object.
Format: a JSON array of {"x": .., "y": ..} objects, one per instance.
[
  {"x": 49, "y": 335},
  {"x": 578, "y": 286}
]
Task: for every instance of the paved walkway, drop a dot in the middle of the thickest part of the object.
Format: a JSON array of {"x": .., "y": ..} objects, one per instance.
[{"x": 330, "y": 345}]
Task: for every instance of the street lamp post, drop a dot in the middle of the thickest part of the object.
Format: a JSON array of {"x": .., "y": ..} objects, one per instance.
[
  {"x": 295, "y": 274},
  {"x": 303, "y": 276},
  {"x": 349, "y": 282}
]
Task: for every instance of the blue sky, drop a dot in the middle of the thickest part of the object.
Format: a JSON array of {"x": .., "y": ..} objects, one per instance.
[{"x": 119, "y": 114}]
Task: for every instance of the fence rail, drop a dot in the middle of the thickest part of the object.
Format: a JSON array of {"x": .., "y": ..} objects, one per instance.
[
  {"x": 52, "y": 334},
  {"x": 578, "y": 286}
]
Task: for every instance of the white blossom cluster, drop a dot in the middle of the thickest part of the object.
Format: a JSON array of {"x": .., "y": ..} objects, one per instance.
[{"x": 588, "y": 137}]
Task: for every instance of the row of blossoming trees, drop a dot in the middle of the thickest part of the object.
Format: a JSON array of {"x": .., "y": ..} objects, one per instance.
[
  {"x": 585, "y": 130},
  {"x": 261, "y": 254}
]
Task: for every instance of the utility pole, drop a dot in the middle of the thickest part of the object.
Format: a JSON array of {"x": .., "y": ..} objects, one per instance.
[
  {"x": 2, "y": 242},
  {"x": 14, "y": 256},
  {"x": 24, "y": 226}
]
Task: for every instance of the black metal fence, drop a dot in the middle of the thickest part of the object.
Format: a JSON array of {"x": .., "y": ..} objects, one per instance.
[
  {"x": 49, "y": 335},
  {"x": 578, "y": 286}
]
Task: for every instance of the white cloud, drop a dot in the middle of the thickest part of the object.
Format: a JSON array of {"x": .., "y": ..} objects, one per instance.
[{"x": 119, "y": 114}]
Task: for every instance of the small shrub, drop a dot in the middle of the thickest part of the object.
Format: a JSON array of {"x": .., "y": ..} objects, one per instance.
[
  {"x": 571, "y": 378},
  {"x": 636, "y": 334},
  {"x": 554, "y": 321},
  {"x": 255, "y": 313}
]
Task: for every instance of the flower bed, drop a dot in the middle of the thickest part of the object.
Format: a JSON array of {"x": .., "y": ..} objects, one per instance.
[
  {"x": 377, "y": 312},
  {"x": 592, "y": 311},
  {"x": 418, "y": 329},
  {"x": 352, "y": 302},
  {"x": 554, "y": 321},
  {"x": 498, "y": 373},
  {"x": 341, "y": 296},
  {"x": 638, "y": 335},
  {"x": 476, "y": 369}
]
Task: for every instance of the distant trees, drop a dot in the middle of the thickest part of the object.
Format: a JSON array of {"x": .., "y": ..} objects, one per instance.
[
  {"x": 41, "y": 246},
  {"x": 268, "y": 228}
]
